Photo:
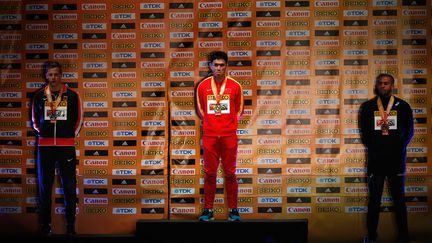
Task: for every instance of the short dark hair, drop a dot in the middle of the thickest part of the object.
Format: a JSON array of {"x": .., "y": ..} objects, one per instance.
[
  {"x": 48, "y": 65},
  {"x": 378, "y": 78},
  {"x": 217, "y": 55},
  {"x": 384, "y": 75}
]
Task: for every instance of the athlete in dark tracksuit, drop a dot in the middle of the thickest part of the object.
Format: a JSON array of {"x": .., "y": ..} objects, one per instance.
[
  {"x": 56, "y": 130},
  {"x": 386, "y": 143}
]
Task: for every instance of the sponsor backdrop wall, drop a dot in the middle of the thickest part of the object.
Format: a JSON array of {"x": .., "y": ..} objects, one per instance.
[{"x": 305, "y": 67}]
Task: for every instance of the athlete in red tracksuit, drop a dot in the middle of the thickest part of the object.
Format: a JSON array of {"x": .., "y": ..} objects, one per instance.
[
  {"x": 219, "y": 101},
  {"x": 57, "y": 118}
]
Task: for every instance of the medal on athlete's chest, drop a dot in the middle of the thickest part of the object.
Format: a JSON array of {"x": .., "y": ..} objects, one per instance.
[
  {"x": 384, "y": 115},
  {"x": 217, "y": 107}
]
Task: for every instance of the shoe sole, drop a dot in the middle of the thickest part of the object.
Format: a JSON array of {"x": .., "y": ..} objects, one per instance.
[{"x": 203, "y": 220}]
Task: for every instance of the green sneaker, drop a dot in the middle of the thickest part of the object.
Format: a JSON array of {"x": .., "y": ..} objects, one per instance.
[
  {"x": 207, "y": 215},
  {"x": 234, "y": 215}
]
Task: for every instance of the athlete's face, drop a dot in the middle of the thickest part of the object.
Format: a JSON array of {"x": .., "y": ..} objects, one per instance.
[
  {"x": 384, "y": 86},
  {"x": 53, "y": 77},
  {"x": 218, "y": 68}
]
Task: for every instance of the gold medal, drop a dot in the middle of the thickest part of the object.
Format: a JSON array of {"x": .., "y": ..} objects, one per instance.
[
  {"x": 384, "y": 115},
  {"x": 217, "y": 109},
  {"x": 218, "y": 96},
  {"x": 54, "y": 104}
]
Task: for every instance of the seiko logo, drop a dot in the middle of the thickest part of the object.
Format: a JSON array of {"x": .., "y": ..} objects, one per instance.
[
  {"x": 329, "y": 13},
  {"x": 96, "y": 172}
]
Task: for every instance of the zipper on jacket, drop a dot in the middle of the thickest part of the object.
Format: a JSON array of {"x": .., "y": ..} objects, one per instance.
[{"x": 55, "y": 133}]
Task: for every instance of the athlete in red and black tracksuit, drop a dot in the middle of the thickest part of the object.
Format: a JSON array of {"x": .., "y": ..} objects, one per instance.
[
  {"x": 55, "y": 139},
  {"x": 220, "y": 134}
]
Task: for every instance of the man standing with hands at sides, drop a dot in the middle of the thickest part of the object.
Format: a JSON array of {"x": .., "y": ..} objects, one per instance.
[
  {"x": 219, "y": 103},
  {"x": 57, "y": 119},
  {"x": 386, "y": 124}
]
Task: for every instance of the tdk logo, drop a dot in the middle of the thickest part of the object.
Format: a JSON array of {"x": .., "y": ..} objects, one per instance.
[
  {"x": 267, "y": 200},
  {"x": 124, "y": 172},
  {"x": 125, "y": 133},
  {"x": 305, "y": 190},
  {"x": 124, "y": 210},
  {"x": 240, "y": 53},
  {"x": 95, "y": 181},
  {"x": 183, "y": 191},
  {"x": 152, "y": 201}
]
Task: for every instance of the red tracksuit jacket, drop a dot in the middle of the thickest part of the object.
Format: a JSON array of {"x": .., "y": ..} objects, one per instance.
[{"x": 231, "y": 102}]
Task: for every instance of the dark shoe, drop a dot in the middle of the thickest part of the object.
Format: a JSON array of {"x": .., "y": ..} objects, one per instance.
[
  {"x": 234, "y": 215},
  {"x": 367, "y": 239},
  {"x": 207, "y": 215},
  {"x": 45, "y": 230},
  {"x": 70, "y": 230}
]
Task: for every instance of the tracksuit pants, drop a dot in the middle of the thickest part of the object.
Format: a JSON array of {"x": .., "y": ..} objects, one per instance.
[
  {"x": 65, "y": 158},
  {"x": 220, "y": 150}
]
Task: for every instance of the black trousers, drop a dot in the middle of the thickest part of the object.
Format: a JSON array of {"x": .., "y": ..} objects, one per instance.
[
  {"x": 65, "y": 159},
  {"x": 396, "y": 184}
]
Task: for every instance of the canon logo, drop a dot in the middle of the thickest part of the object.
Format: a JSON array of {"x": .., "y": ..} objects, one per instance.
[{"x": 95, "y": 124}]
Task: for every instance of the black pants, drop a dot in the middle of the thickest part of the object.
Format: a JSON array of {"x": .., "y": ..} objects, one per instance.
[
  {"x": 65, "y": 158},
  {"x": 396, "y": 184}
]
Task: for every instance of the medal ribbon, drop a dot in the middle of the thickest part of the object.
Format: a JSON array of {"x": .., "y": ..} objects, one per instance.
[
  {"x": 217, "y": 96},
  {"x": 54, "y": 104},
  {"x": 384, "y": 114}
]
